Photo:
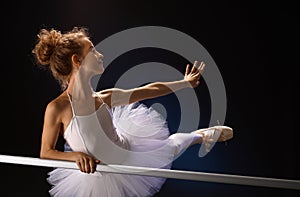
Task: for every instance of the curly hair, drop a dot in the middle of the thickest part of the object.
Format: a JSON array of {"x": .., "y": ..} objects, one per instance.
[{"x": 55, "y": 49}]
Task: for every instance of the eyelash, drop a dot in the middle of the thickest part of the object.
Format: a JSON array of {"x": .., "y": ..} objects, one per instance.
[{"x": 93, "y": 50}]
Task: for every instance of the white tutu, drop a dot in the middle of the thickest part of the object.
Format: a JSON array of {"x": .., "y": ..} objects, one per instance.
[{"x": 147, "y": 132}]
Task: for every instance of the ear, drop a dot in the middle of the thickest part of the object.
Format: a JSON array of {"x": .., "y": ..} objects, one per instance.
[{"x": 75, "y": 60}]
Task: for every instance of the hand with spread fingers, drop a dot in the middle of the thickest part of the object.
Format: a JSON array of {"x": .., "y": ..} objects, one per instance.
[{"x": 192, "y": 75}]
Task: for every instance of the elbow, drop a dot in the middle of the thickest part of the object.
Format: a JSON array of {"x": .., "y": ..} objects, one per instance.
[{"x": 44, "y": 154}]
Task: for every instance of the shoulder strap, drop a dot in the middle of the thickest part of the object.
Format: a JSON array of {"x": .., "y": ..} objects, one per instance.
[
  {"x": 98, "y": 95},
  {"x": 73, "y": 112}
]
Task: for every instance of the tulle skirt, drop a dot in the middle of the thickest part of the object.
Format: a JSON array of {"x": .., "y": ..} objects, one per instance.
[{"x": 147, "y": 132}]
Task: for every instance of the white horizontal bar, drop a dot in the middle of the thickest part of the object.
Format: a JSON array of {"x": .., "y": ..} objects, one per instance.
[{"x": 157, "y": 172}]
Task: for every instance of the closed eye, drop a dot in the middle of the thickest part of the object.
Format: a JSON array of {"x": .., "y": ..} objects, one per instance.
[{"x": 93, "y": 49}]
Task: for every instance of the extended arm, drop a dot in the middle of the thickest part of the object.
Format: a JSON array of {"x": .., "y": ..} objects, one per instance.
[{"x": 116, "y": 96}]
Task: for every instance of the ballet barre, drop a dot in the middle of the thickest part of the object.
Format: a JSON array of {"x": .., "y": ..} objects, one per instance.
[{"x": 158, "y": 172}]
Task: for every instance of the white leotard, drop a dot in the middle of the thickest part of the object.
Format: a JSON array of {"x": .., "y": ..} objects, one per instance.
[{"x": 131, "y": 135}]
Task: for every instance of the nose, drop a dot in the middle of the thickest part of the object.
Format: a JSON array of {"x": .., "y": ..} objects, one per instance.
[{"x": 100, "y": 56}]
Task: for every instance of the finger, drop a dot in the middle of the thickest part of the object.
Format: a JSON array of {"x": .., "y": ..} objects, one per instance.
[
  {"x": 87, "y": 166},
  {"x": 92, "y": 165},
  {"x": 97, "y": 161},
  {"x": 194, "y": 67},
  {"x": 195, "y": 74},
  {"x": 187, "y": 69},
  {"x": 79, "y": 166},
  {"x": 201, "y": 67}
]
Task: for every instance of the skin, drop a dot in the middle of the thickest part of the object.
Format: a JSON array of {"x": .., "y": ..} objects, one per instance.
[{"x": 58, "y": 113}]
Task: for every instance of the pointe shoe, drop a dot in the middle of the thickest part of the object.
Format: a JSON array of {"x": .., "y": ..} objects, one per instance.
[
  {"x": 217, "y": 133},
  {"x": 212, "y": 135}
]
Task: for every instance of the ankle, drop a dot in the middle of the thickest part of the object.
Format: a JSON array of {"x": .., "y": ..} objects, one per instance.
[{"x": 198, "y": 137}]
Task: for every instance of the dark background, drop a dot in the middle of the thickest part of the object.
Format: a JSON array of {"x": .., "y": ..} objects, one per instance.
[{"x": 253, "y": 44}]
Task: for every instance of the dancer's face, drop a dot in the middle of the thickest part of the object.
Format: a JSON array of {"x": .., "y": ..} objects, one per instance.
[{"x": 92, "y": 59}]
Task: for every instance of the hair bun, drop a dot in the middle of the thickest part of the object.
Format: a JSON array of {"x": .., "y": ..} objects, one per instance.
[{"x": 47, "y": 42}]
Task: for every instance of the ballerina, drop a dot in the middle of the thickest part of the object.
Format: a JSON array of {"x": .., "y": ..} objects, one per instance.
[{"x": 104, "y": 126}]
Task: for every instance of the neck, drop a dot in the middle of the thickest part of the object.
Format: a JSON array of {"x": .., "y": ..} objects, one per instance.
[
  {"x": 82, "y": 94},
  {"x": 79, "y": 86}
]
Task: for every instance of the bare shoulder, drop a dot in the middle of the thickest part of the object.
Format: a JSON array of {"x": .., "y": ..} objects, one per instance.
[
  {"x": 58, "y": 113},
  {"x": 58, "y": 105}
]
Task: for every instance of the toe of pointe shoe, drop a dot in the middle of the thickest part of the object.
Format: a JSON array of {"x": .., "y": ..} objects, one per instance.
[{"x": 226, "y": 133}]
